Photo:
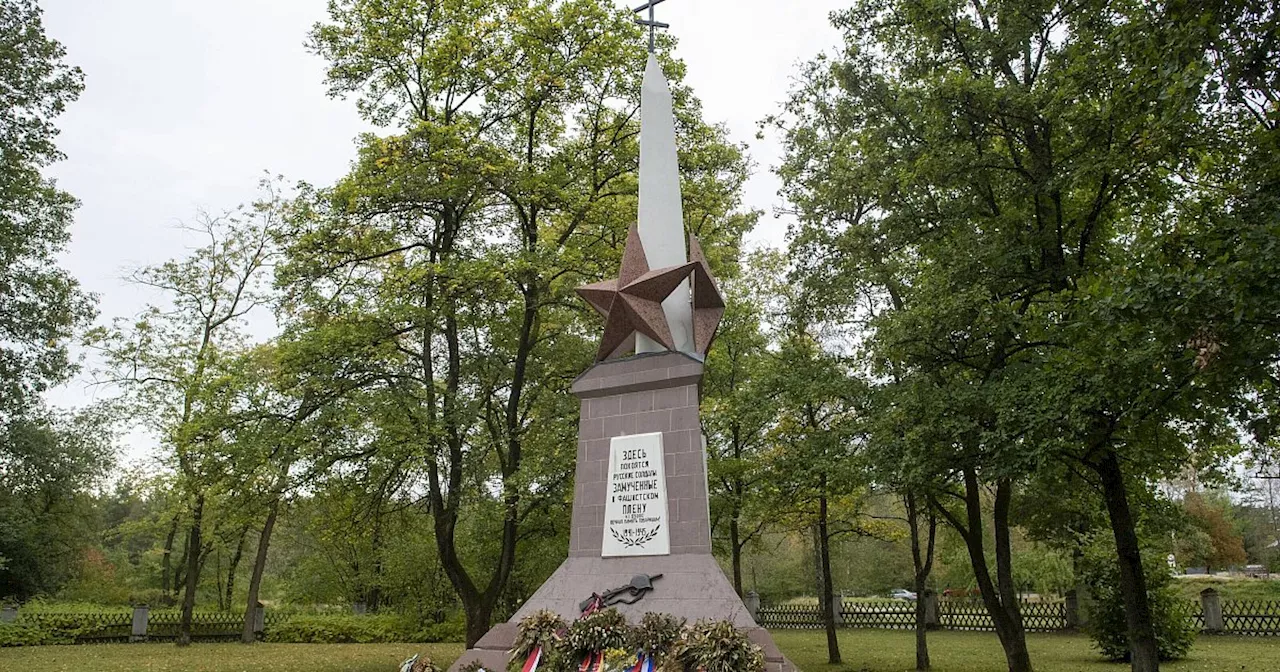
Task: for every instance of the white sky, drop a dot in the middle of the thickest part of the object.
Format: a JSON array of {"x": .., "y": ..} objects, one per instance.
[{"x": 187, "y": 103}]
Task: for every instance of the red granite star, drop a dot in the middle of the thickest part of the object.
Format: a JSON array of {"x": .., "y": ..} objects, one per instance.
[
  {"x": 632, "y": 303},
  {"x": 708, "y": 303}
]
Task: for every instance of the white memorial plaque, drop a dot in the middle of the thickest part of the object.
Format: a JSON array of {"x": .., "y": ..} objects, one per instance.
[{"x": 635, "y": 511}]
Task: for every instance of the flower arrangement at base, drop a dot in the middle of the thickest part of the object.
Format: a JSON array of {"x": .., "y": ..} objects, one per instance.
[
  {"x": 418, "y": 664},
  {"x": 655, "y": 638},
  {"x": 714, "y": 646},
  {"x": 538, "y": 636},
  {"x": 589, "y": 637},
  {"x": 619, "y": 660},
  {"x": 604, "y": 642}
]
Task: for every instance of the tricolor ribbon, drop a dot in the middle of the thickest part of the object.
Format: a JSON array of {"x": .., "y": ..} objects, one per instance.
[
  {"x": 594, "y": 662},
  {"x": 531, "y": 664},
  {"x": 643, "y": 664}
]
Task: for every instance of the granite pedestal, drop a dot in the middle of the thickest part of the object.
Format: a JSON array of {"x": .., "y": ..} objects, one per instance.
[{"x": 656, "y": 392}]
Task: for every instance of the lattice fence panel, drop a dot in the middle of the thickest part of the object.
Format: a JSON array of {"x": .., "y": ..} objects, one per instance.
[
  {"x": 1251, "y": 617},
  {"x": 204, "y": 625},
  {"x": 1192, "y": 612},
  {"x": 1044, "y": 616},
  {"x": 789, "y": 617},
  {"x": 964, "y": 615},
  {"x": 892, "y": 614},
  {"x": 270, "y": 618},
  {"x": 972, "y": 615},
  {"x": 1245, "y": 617}
]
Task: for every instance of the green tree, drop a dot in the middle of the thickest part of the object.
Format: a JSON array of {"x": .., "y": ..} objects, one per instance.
[
  {"x": 179, "y": 365},
  {"x": 50, "y": 464},
  {"x": 1039, "y": 203},
  {"x": 40, "y": 303},
  {"x": 815, "y": 466},
  {"x": 441, "y": 269},
  {"x": 739, "y": 409},
  {"x": 283, "y": 428},
  {"x": 41, "y": 306}
]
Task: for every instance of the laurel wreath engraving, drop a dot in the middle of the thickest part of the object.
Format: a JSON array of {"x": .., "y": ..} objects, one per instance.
[{"x": 636, "y": 537}]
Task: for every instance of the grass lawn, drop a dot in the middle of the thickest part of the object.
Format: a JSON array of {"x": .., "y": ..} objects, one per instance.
[
  {"x": 1230, "y": 588},
  {"x": 864, "y": 651},
  {"x": 894, "y": 651},
  {"x": 220, "y": 657}
]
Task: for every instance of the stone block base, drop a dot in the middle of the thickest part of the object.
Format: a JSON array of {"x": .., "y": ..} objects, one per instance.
[
  {"x": 654, "y": 392},
  {"x": 692, "y": 587}
]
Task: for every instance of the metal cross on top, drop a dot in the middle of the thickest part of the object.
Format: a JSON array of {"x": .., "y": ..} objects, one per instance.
[{"x": 651, "y": 23}]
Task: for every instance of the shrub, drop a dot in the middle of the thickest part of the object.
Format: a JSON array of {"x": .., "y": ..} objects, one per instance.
[
  {"x": 1175, "y": 633},
  {"x": 44, "y": 629},
  {"x": 155, "y": 598},
  {"x": 345, "y": 629},
  {"x": 452, "y": 630},
  {"x": 41, "y": 605},
  {"x": 23, "y": 634}
]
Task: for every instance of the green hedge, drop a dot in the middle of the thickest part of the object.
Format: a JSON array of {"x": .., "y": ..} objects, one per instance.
[
  {"x": 453, "y": 630},
  {"x": 368, "y": 629},
  {"x": 16, "y": 634},
  {"x": 61, "y": 630},
  {"x": 301, "y": 629}
]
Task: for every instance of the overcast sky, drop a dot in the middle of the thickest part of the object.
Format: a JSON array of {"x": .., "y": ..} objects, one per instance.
[{"x": 188, "y": 103}]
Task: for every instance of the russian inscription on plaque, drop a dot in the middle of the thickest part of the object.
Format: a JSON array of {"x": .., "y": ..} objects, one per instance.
[{"x": 635, "y": 514}]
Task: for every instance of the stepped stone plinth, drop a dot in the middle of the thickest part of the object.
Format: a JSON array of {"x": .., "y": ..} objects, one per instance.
[{"x": 644, "y": 394}]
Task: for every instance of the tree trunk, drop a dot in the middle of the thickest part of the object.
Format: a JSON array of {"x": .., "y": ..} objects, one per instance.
[
  {"x": 373, "y": 595},
  {"x": 446, "y": 497},
  {"x": 477, "y": 622},
  {"x": 1144, "y": 654},
  {"x": 923, "y": 563},
  {"x": 166, "y": 562},
  {"x": 738, "y": 490},
  {"x": 828, "y": 590},
  {"x": 235, "y": 563},
  {"x": 817, "y": 566},
  {"x": 217, "y": 581},
  {"x": 1005, "y": 616},
  {"x": 180, "y": 571},
  {"x": 194, "y": 544},
  {"x": 735, "y": 551},
  {"x": 1004, "y": 574},
  {"x": 247, "y": 635}
]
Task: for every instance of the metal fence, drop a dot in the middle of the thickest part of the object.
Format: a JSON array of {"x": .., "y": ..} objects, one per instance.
[
  {"x": 205, "y": 626},
  {"x": 901, "y": 615},
  {"x": 1239, "y": 617},
  {"x": 140, "y": 624}
]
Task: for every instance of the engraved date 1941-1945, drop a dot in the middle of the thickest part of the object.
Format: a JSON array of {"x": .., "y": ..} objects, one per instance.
[{"x": 632, "y": 538}]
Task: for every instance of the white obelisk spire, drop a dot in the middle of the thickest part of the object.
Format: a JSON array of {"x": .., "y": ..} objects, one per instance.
[{"x": 661, "y": 219}]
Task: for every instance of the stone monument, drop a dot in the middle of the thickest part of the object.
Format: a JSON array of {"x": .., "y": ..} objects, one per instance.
[{"x": 640, "y": 490}]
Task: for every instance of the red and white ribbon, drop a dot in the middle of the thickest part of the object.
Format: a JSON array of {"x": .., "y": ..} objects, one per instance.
[{"x": 531, "y": 664}]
